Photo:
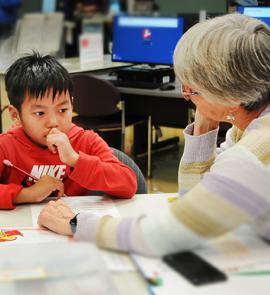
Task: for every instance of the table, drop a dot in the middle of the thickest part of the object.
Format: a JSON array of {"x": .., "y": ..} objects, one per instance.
[
  {"x": 151, "y": 203},
  {"x": 21, "y": 216}
]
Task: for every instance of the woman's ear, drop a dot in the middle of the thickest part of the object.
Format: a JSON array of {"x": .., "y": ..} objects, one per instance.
[
  {"x": 15, "y": 115},
  {"x": 234, "y": 109}
]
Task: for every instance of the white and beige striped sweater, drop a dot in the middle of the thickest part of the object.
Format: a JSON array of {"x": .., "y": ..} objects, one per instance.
[{"x": 221, "y": 188}]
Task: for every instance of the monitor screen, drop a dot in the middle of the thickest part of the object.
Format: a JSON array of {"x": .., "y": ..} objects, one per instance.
[
  {"x": 48, "y": 6},
  {"x": 148, "y": 40},
  {"x": 260, "y": 12},
  {"x": 114, "y": 7}
]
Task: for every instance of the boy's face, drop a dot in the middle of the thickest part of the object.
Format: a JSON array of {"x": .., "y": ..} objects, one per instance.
[{"x": 39, "y": 116}]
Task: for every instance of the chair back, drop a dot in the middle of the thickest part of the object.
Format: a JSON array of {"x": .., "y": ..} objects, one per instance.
[
  {"x": 124, "y": 158},
  {"x": 94, "y": 97}
]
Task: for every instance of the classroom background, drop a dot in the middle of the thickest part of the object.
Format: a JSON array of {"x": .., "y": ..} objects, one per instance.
[{"x": 75, "y": 18}]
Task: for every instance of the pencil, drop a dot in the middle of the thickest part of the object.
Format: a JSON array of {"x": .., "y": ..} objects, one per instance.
[
  {"x": 8, "y": 163},
  {"x": 52, "y": 196}
]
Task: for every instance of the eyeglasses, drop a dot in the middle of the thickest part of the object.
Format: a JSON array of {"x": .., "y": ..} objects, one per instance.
[{"x": 187, "y": 94}]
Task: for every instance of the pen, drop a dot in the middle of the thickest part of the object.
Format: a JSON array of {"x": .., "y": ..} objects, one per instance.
[
  {"x": 8, "y": 163},
  {"x": 152, "y": 277},
  {"x": 254, "y": 273}
]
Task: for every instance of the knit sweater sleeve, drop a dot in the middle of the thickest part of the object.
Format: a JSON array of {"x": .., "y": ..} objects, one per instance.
[
  {"x": 198, "y": 156},
  {"x": 235, "y": 190}
]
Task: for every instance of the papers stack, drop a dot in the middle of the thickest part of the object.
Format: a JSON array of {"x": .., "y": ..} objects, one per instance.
[{"x": 54, "y": 268}]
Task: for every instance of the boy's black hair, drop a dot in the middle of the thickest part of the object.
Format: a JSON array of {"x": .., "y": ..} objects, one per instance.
[{"x": 34, "y": 74}]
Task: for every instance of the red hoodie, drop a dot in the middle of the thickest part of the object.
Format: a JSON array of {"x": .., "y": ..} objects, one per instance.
[{"x": 96, "y": 169}]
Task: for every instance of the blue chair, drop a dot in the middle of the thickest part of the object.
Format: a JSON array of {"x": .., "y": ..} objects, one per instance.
[{"x": 124, "y": 158}]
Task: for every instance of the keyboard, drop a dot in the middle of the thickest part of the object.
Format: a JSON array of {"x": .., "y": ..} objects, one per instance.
[{"x": 134, "y": 84}]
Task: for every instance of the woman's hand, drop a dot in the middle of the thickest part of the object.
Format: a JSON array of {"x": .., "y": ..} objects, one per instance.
[
  {"x": 56, "y": 216},
  {"x": 203, "y": 124}
]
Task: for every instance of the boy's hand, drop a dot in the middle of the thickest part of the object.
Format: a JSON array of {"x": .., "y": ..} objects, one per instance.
[
  {"x": 56, "y": 216},
  {"x": 40, "y": 190},
  {"x": 58, "y": 141}
]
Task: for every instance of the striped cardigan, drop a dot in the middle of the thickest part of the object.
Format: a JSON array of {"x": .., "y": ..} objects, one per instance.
[{"x": 222, "y": 189}]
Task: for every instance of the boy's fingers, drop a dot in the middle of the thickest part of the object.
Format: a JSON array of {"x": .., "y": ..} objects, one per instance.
[
  {"x": 54, "y": 131},
  {"x": 52, "y": 147},
  {"x": 60, "y": 192}
]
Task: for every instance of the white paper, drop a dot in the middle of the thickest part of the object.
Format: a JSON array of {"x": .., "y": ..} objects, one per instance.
[
  {"x": 238, "y": 251},
  {"x": 117, "y": 262},
  {"x": 91, "y": 47},
  {"x": 7, "y": 275},
  {"x": 33, "y": 236},
  {"x": 69, "y": 268},
  {"x": 97, "y": 205},
  {"x": 93, "y": 204},
  {"x": 40, "y": 32}
]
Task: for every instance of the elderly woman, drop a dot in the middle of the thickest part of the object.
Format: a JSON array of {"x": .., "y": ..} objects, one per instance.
[{"x": 224, "y": 67}]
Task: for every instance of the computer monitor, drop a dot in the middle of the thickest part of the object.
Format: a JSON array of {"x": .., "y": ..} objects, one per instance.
[
  {"x": 114, "y": 7},
  {"x": 143, "y": 39},
  {"x": 260, "y": 12},
  {"x": 173, "y": 7},
  {"x": 48, "y": 6},
  {"x": 190, "y": 19}
]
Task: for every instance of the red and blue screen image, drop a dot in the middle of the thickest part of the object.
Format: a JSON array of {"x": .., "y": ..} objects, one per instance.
[{"x": 146, "y": 39}]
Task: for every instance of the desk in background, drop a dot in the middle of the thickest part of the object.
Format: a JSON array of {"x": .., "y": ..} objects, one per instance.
[{"x": 166, "y": 108}]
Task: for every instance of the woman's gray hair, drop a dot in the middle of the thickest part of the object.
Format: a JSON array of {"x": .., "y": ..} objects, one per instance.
[{"x": 227, "y": 60}]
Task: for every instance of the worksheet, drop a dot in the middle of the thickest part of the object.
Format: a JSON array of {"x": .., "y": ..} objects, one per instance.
[
  {"x": 240, "y": 251},
  {"x": 97, "y": 205}
]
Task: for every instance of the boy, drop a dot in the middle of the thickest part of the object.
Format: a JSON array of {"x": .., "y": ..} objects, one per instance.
[{"x": 44, "y": 142}]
